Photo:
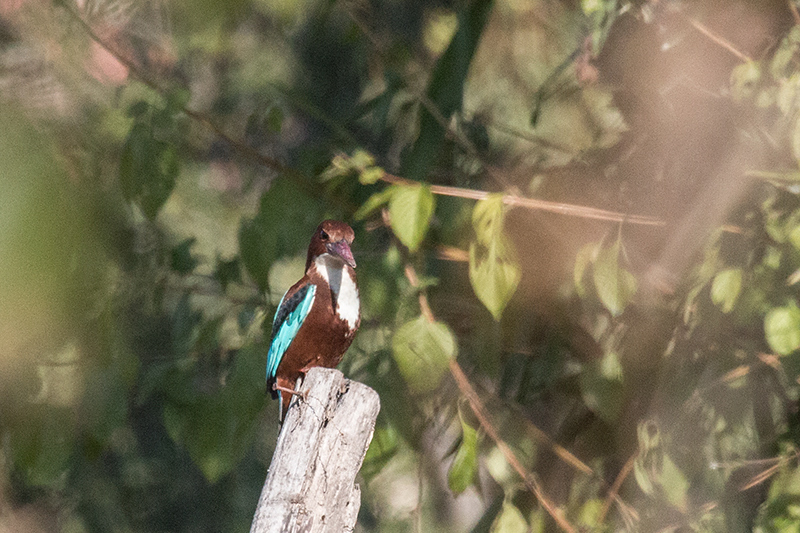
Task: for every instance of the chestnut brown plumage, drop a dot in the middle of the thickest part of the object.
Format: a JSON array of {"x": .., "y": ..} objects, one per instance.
[{"x": 318, "y": 316}]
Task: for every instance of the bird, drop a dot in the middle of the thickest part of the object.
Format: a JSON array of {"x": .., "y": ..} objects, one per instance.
[{"x": 318, "y": 316}]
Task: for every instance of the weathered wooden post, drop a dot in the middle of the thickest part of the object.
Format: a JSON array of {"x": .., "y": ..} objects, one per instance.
[{"x": 311, "y": 484}]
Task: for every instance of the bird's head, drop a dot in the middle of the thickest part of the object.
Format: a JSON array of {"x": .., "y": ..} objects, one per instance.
[{"x": 332, "y": 237}]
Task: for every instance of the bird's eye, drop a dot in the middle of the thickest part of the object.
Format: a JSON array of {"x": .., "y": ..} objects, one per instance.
[{"x": 323, "y": 235}]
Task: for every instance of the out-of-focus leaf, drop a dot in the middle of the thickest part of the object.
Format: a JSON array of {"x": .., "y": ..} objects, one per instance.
[
  {"x": 494, "y": 271},
  {"x": 381, "y": 449},
  {"x": 464, "y": 468},
  {"x": 445, "y": 89},
  {"x": 181, "y": 259},
  {"x": 615, "y": 286},
  {"x": 148, "y": 169},
  {"x": 674, "y": 483},
  {"x": 583, "y": 259},
  {"x": 422, "y": 350},
  {"x": 590, "y": 513},
  {"x": 410, "y": 210},
  {"x": 744, "y": 79},
  {"x": 601, "y": 387},
  {"x": 255, "y": 244},
  {"x": 42, "y": 446},
  {"x": 510, "y": 520},
  {"x": 217, "y": 428},
  {"x": 373, "y": 202},
  {"x": 725, "y": 288},
  {"x": 228, "y": 272},
  {"x": 782, "y": 329}
]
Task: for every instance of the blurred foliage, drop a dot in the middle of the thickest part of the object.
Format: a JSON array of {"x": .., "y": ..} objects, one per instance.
[{"x": 590, "y": 208}]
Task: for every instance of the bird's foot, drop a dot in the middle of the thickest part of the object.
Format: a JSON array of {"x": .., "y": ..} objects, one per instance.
[{"x": 302, "y": 394}]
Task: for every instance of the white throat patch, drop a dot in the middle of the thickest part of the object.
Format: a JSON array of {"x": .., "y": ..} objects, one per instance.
[{"x": 344, "y": 289}]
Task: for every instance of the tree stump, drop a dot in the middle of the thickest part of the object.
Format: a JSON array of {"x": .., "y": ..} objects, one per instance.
[{"x": 310, "y": 485}]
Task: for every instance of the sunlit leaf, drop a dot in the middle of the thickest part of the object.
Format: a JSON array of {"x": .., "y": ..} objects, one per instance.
[
  {"x": 373, "y": 202},
  {"x": 494, "y": 273},
  {"x": 423, "y": 350},
  {"x": 674, "y": 483},
  {"x": 583, "y": 259},
  {"x": 494, "y": 270},
  {"x": 464, "y": 468},
  {"x": 410, "y": 210},
  {"x": 615, "y": 286},
  {"x": 510, "y": 520},
  {"x": 725, "y": 288},
  {"x": 782, "y": 329}
]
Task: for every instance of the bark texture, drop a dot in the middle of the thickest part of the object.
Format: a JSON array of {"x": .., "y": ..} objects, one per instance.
[{"x": 311, "y": 484}]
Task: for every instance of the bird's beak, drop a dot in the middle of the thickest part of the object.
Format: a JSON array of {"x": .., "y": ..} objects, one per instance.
[{"x": 342, "y": 249}]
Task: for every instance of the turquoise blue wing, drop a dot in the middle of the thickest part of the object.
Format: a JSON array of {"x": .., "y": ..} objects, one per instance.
[{"x": 290, "y": 316}]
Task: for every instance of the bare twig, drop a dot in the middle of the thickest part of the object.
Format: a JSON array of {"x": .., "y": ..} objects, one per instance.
[
  {"x": 613, "y": 492},
  {"x": 483, "y": 418},
  {"x": 721, "y": 41},
  {"x": 533, "y": 203},
  {"x": 795, "y": 13}
]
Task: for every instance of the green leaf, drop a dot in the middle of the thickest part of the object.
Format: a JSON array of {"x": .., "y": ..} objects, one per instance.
[
  {"x": 602, "y": 387},
  {"x": 445, "y": 89},
  {"x": 510, "y": 520},
  {"x": 181, "y": 259},
  {"x": 615, "y": 286},
  {"x": 371, "y": 175},
  {"x": 228, "y": 272},
  {"x": 423, "y": 350},
  {"x": 42, "y": 447},
  {"x": 382, "y": 449},
  {"x": 255, "y": 244},
  {"x": 148, "y": 169},
  {"x": 410, "y": 210},
  {"x": 583, "y": 259},
  {"x": 465, "y": 465},
  {"x": 725, "y": 288},
  {"x": 217, "y": 428},
  {"x": 782, "y": 329},
  {"x": 494, "y": 271},
  {"x": 674, "y": 483},
  {"x": 373, "y": 202}
]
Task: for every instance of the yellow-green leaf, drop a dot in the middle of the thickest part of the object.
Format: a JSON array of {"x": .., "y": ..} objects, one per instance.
[
  {"x": 465, "y": 465},
  {"x": 422, "y": 350},
  {"x": 510, "y": 520},
  {"x": 410, "y": 210},
  {"x": 782, "y": 329},
  {"x": 493, "y": 267},
  {"x": 615, "y": 286},
  {"x": 725, "y": 288}
]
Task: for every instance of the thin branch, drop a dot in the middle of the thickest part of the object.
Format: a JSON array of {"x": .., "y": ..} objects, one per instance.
[
  {"x": 795, "y": 13},
  {"x": 613, "y": 492},
  {"x": 155, "y": 85},
  {"x": 721, "y": 41},
  {"x": 533, "y": 203},
  {"x": 483, "y": 418}
]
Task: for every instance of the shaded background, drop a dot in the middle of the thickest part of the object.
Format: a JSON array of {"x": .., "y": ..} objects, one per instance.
[{"x": 606, "y": 341}]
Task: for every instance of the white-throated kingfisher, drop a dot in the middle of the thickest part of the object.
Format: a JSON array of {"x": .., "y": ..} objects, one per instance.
[{"x": 318, "y": 316}]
